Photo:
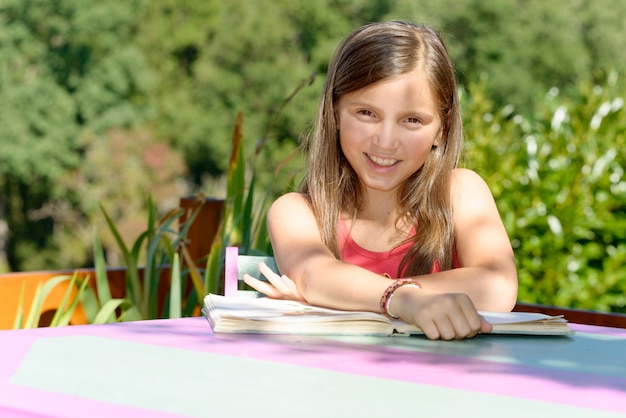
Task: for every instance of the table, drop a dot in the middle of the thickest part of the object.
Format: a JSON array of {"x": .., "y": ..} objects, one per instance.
[{"x": 178, "y": 367}]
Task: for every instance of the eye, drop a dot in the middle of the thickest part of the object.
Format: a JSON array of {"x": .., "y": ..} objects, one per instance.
[
  {"x": 365, "y": 112},
  {"x": 413, "y": 120}
]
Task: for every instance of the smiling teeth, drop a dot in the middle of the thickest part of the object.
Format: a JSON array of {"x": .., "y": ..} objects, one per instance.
[{"x": 385, "y": 162}]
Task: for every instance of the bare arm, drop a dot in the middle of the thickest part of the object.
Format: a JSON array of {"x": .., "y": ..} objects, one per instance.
[
  {"x": 446, "y": 304},
  {"x": 320, "y": 278},
  {"x": 488, "y": 275}
]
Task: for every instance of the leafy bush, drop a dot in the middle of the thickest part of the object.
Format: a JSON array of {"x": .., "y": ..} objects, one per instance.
[
  {"x": 156, "y": 253},
  {"x": 559, "y": 183}
]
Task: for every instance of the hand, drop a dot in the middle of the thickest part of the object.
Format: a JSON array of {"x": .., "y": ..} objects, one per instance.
[
  {"x": 446, "y": 316},
  {"x": 279, "y": 287}
]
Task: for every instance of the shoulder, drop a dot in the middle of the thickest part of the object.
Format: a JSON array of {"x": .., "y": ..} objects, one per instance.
[
  {"x": 290, "y": 207},
  {"x": 467, "y": 182},
  {"x": 289, "y": 201},
  {"x": 466, "y": 177},
  {"x": 290, "y": 220},
  {"x": 469, "y": 192}
]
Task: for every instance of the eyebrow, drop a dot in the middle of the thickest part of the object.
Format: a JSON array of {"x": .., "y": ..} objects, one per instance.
[{"x": 415, "y": 112}]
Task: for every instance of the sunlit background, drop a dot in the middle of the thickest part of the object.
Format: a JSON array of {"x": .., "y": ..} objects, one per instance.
[{"x": 112, "y": 102}]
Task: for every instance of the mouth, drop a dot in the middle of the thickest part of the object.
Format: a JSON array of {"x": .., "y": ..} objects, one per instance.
[{"x": 383, "y": 162}]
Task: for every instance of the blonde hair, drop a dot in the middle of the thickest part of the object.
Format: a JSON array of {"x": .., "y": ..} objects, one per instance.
[{"x": 371, "y": 53}]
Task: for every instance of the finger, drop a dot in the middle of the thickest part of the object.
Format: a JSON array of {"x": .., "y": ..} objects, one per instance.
[
  {"x": 485, "y": 327},
  {"x": 459, "y": 322},
  {"x": 275, "y": 279},
  {"x": 448, "y": 330},
  {"x": 262, "y": 287},
  {"x": 293, "y": 289},
  {"x": 267, "y": 271},
  {"x": 430, "y": 330},
  {"x": 470, "y": 323},
  {"x": 289, "y": 284},
  {"x": 282, "y": 283}
]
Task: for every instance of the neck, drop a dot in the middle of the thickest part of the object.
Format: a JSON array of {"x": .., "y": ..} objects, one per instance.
[
  {"x": 380, "y": 207},
  {"x": 379, "y": 226}
]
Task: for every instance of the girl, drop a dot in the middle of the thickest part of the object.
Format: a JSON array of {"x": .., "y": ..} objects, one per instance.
[{"x": 383, "y": 196}]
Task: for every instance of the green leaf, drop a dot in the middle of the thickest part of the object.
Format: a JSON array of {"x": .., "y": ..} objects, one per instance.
[
  {"x": 41, "y": 293},
  {"x": 108, "y": 310},
  {"x": 102, "y": 280},
  {"x": 213, "y": 268},
  {"x": 130, "y": 313},
  {"x": 236, "y": 183},
  {"x": 194, "y": 273},
  {"x": 61, "y": 308},
  {"x": 132, "y": 273},
  {"x": 246, "y": 223},
  {"x": 90, "y": 303},
  {"x": 35, "y": 308},
  {"x": 65, "y": 315},
  {"x": 19, "y": 315},
  {"x": 175, "y": 289}
]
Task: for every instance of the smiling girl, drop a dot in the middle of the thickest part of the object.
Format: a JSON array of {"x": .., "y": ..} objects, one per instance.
[{"x": 384, "y": 220}]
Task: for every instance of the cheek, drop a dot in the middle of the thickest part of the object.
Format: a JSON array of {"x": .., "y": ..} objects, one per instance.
[
  {"x": 346, "y": 144},
  {"x": 353, "y": 132},
  {"x": 351, "y": 146},
  {"x": 422, "y": 146},
  {"x": 346, "y": 136}
]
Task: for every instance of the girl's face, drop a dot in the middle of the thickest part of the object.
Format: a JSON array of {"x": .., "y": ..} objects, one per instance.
[{"x": 386, "y": 130}]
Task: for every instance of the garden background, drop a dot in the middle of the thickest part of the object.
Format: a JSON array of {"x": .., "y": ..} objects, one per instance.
[{"x": 111, "y": 103}]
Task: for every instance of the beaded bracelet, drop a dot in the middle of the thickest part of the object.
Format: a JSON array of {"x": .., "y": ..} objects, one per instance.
[{"x": 385, "y": 300}]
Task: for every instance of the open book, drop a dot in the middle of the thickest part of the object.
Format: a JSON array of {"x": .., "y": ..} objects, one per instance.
[{"x": 272, "y": 316}]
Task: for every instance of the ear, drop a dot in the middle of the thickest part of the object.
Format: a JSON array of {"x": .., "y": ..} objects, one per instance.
[
  {"x": 438, "y": 138},
  {"x": 436, "y": 141}
]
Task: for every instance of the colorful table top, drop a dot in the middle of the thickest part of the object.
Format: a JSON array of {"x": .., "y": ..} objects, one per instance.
[{"x": 178, "y": 367}]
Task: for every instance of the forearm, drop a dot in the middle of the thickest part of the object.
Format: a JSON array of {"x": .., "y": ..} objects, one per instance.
[
  {"x": 339, "y": 285},
  {"x": 343, "y": 286},
  {"x": 492, "y": 288}
]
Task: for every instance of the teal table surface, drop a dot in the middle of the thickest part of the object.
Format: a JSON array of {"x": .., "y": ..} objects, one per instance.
[{"x": 178, "y": 367}]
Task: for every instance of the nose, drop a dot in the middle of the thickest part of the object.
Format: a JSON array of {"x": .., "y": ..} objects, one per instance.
[{"x": 386, "y": 136}]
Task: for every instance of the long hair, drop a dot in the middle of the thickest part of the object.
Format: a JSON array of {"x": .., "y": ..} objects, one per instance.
[{"x": 370, "y": 54}]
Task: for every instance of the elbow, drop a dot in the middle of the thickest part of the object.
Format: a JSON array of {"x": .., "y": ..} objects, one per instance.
[
  {"x": 306, "y": 286},
  {"x": 500, "y": 294},
  {"x": 503, "y": 295},
  {"x": 311, "y": 287}
]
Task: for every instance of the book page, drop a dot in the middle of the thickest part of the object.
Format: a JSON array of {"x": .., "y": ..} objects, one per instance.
[
  {"x": 516, "y": 317},
  {"x": 233, "y": 314}
]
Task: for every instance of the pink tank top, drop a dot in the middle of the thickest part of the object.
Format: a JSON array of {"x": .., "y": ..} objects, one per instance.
[{"x": 384, "y": 262}]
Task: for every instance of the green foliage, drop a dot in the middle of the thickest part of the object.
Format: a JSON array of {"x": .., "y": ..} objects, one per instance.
[
  {"x": 66, "y": 67},
  {"x": 73, "y": 73},
  {"x": 157, "y": 247},
  {"x": 559, "y": 183},
  {"x": 65, "y": 310},
  {"x": 107, "y": 102},
  {"x": 525, "y": 47},
  {"x": 245, "y": 213}
]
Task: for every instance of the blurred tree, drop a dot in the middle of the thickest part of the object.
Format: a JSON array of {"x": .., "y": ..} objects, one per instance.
[
  {"x": 66, "y": 67},
  {"x": 175, "y": 73},
  {"x": 121, "y": 169},
  {"x": 525, "y": 47},
  {"x": 215, "y": 59}
]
